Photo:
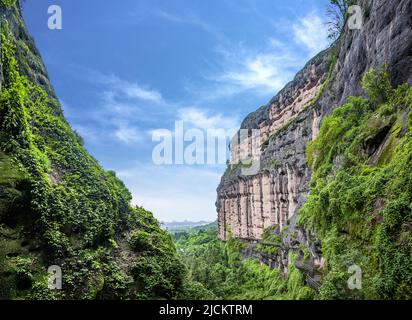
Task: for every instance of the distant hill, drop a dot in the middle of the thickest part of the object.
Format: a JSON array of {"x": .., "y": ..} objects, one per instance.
[
  {"x": 182, "y": 225},
  {"x": 212, "y": 225}
]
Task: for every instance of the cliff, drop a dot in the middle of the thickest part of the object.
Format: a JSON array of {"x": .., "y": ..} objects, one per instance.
[
  {"x": 58, "y": 207},
  {"x": 272, "y": 198}
]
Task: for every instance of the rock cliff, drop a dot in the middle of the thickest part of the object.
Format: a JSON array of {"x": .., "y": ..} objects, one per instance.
[{"x": 272, "y": 197}]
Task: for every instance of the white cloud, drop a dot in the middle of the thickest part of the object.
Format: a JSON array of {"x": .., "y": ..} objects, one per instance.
[
  {"x": 243, "y": 69},
  {"x": 133, "y": 90},
  {"x": 174, "y": 192},
  {"x": 128, "y": 135},
  {"x": 119, "y": 115},
  {"x": 263, "y": 71},
  {"x": 311, "y": 32},
  {"x": 201, "y": 119},
  {"x": 130, "y": 89}
]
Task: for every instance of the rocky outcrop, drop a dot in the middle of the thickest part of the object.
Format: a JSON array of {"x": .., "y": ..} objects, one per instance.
[{"x": 272, "y": 196}]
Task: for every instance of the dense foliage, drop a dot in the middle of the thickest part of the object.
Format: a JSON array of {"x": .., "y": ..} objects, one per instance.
[
  {"x": 361, "y": 192},
  {"x": 59, "y": 207},
  {"x": 226, "y": 272}
]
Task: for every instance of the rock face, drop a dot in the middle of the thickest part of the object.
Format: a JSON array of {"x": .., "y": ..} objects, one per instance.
[
  {"x": 272, "y": 196},
  {"x": 249, "y": 204}
]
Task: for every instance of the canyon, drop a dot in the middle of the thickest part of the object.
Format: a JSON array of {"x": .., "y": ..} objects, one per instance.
[{"x": 320, "y": 182}]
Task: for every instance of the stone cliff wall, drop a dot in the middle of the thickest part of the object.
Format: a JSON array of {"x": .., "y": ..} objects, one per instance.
[{"x": 247, "y": 204}]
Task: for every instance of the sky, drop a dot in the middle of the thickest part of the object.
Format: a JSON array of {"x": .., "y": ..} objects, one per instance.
[{"x": 126, "y": 71}]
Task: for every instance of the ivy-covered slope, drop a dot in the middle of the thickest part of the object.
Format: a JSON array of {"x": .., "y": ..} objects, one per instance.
[
  {"x": 360, "y": 201},
  {"x": 57, "y": 205}
]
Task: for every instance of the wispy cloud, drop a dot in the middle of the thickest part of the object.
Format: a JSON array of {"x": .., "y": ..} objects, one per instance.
[
  {"x": 311, "y": 32},
  {"x": 265, "y": 70},
  {"x": 130, "y": 89},
  {"x": 242, "y": 69},
  {"x": 203, "y": 119},
  {"x": 118, "y": 113},
  {"x": 262, "y": 72},
  {"x": 191, "y": 20},
  {"x": 128, "y": 135},
  {"x": 121, "y": 115}
]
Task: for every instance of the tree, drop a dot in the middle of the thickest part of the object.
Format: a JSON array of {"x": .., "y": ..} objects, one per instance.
[{"x": 337, "y": 15}]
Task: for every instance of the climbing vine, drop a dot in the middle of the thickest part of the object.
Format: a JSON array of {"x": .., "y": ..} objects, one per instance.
[
  {"x": 70, "y": 211},
  {"x": 361, "y": 191}
]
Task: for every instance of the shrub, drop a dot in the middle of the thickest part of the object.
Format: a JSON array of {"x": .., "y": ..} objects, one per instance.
[{"x": 377, "y": 85}]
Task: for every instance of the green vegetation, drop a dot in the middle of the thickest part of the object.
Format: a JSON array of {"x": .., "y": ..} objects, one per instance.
[
  {"x": 271, "y": 242},
  {"x": 8, "y": 3},
  {"x": 361, "y": 191},
  {"x": 224, "y": 273},
  {"x": 59, "y": 207}
]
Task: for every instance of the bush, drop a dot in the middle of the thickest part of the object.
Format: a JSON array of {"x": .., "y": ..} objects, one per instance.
[
  {"x": 158, "y": 277},
  {"x": 377, "y": 85}
]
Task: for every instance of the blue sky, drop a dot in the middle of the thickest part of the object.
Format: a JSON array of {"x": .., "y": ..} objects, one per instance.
[{"x": 125, "y": 69}]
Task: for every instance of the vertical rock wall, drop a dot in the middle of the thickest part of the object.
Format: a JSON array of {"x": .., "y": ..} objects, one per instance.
[{"x": 249, "y": 204}]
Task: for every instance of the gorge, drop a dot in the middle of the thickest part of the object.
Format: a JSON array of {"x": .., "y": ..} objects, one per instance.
[{"x": 332, "y": 192}]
